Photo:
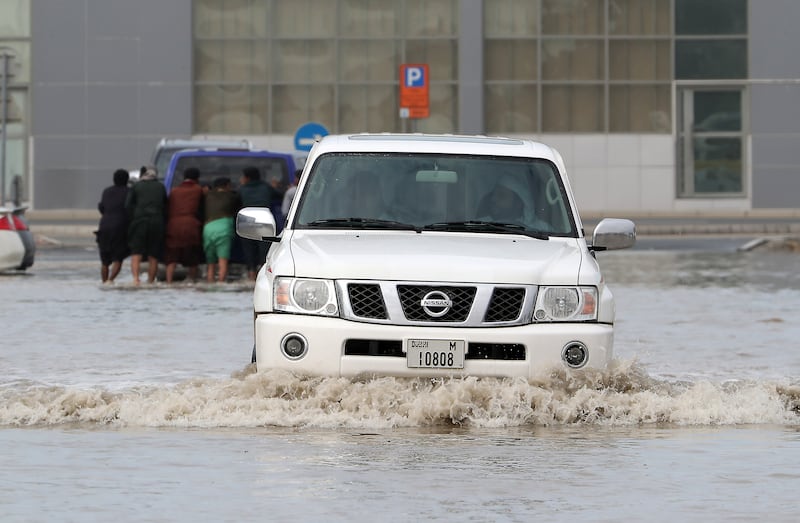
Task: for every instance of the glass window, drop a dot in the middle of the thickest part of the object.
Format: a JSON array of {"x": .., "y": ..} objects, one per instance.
[
  {"x": 616, "y": 54},
  {"x": 15, "y": 169},
  {"x": 440, "y": 55},
  {"x": 576, "y": 17},
  {"x": 19, "y": 65},
  {"x": 431, "y": 18},
  {"x": 572, "y": 59},
  {"x": 232, "y": 18},
  {"x": 230, "y": 61},
  {"x": 377, "y": 18},
  {"x": 16, "y": 105},
  {"x": 636, "y": 60},
  {"x": 572, "y": 108},
  {"x": 444, "y": 111},
  {"x": 509, "y": 18},
  {"x": 711, "y": 142},
  {"x": 640, "y": 108},
  {"x": 710, "y": 17},
  {"x": 212, "y": 165},
  {"x": 230, "y": 109},
  {"x": 367, "y": 108},
  {"x": 17, "y": 110},
  {"x": 304, "y": 61},
  {"x": 639, "y": 17},
  {"x": 710, "y": 59},
  {"x": 338, "y": 66},
  {"x": 424, "y": 189},
  {"x": 511, "y": 108},
  {"x": 717, "y": 165},
  {"x": 294, "y": 19},
  {"x": 368, "y": 61},
  {"x": 717, "y": 111},
  {"x": 295, "y": 104},
  {"x": 15, "y": 19},
  {"x": 510, "y": 60}
]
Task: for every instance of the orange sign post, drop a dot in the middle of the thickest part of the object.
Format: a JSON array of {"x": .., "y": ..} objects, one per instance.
[{"x": 414, "y": 84}]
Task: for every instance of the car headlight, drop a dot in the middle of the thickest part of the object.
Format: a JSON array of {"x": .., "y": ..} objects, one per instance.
[
  {"x": 305, "y": 296},
  {"x": 566, "y": 304}
]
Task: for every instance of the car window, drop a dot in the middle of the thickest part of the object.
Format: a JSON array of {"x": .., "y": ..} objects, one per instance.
[
  {"x": 273, "y": 169},
  {"x": 162, "y": 158},
  {"x": 425, "y": 189}
]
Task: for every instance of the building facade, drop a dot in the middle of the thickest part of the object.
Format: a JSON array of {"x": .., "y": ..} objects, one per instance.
[{"x": 658, "y": 106}]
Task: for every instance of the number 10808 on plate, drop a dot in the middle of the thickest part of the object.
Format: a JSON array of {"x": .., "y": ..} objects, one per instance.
[{"x": 435, "y": 354}]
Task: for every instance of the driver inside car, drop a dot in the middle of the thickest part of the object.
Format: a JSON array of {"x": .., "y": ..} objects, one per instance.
[{"x": 508, "y": 202}]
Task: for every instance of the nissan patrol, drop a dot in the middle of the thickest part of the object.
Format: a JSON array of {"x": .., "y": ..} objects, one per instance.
[{"x": 432, "y": 255}]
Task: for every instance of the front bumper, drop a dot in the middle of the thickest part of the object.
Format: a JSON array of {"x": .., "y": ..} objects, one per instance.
[{"x": 327, "y": 337}]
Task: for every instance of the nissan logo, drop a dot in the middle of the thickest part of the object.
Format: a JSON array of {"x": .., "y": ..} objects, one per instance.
[{"x": 436, "y": 304}]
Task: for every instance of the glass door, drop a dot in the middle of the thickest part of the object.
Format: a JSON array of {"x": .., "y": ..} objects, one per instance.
[{"x": 710, "y": 141}]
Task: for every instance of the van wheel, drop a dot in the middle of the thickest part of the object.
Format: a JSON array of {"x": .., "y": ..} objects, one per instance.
[{"x": 253, "y": 357}]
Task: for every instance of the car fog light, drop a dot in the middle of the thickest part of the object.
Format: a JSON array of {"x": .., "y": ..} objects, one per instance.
[
  {"x": 294, "y": 346},
  {"x": 575, "y": 354}
]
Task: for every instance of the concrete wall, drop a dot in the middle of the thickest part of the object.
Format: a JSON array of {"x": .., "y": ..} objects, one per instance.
[
  {"x": 775, "y": 107},
  {"x": 109, "y": 78}
]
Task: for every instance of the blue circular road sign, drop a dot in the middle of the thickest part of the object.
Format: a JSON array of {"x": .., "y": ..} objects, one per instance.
[{"x": 307, "y": 134}]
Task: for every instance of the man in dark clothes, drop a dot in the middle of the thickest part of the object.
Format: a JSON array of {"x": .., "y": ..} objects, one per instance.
[
  {"x": 254, "y": 192},
  {"x": 147, "y": 207},
  {"x": 112, "y": 232},
  {"x": 184, "y": 243}
]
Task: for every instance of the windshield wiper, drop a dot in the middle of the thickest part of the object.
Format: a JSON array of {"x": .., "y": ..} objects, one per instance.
[
  {"x": 484, "y": 226},
  {"x": 363, "y": 223}
]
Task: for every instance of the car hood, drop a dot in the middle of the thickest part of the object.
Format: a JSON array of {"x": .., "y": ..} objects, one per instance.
[{"x": 431, "y": 256}]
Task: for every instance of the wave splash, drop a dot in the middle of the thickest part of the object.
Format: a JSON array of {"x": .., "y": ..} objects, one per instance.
[{"x": 624, "y": 395}]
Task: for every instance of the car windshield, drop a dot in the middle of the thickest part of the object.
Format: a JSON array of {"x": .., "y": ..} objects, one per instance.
[
  {"x": 274, "y": 170},
  {"x": 464, "y": 193}
]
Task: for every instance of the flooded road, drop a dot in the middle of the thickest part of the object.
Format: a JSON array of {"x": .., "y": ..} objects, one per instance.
[{"x": 141, "y": 405}]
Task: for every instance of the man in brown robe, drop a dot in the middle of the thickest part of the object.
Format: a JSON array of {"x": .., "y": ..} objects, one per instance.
[{"x": 184, "y": 243}]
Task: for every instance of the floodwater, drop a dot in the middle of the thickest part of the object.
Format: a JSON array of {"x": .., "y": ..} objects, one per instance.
[{"x": 141, "y": 406}]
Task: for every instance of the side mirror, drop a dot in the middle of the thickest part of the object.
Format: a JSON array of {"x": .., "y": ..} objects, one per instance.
[
  {"x": 256, "y": 223},
  {"x": 613, "y": 233}
]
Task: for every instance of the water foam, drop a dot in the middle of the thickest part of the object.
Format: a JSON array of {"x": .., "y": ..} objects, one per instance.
[{"x": 622, "y": 396}]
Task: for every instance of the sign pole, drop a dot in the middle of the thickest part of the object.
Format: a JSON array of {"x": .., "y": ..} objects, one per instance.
[{"x": 4, "y": 103}]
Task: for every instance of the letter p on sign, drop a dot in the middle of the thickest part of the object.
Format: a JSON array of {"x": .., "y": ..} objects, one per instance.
[{"x": 415, "y": 77}]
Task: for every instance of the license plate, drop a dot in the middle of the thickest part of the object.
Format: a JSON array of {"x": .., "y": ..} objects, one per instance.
[{"x": 435, "y": 354}]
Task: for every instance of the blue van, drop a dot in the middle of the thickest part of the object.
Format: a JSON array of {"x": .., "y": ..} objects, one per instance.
[
  {"x": 167, "y": 147},
  {"x": 277, "y": 168}
]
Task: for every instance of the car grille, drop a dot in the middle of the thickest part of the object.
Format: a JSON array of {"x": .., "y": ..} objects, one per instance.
[
  {"x": 366, "y": 300},
  {"x": 506, "y": 304},
  {"x": 401, "y": 303},
  {"x": 412, "y": 295}
]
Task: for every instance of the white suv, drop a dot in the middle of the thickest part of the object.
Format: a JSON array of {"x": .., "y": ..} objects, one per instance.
[{"x": 432, "y": 255}]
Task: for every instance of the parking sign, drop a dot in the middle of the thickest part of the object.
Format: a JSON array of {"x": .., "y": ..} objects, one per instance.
[{"x": 414, "y": 99}]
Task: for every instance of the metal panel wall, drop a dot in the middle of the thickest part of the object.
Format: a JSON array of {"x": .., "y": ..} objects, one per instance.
[
  {"x": 109, "y": 78},
  {"x": 775, "y": 111}
]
